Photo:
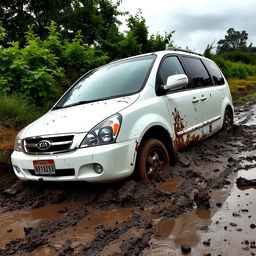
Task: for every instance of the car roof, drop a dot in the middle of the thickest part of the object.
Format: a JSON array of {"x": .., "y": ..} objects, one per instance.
[{"x": 171, "y": 50}]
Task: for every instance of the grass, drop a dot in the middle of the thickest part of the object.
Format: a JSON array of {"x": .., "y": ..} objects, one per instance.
[
  {"x": 243, "y": 89},
  {"x": 16, "y": 111},
  {"x": 246, "y": 97},
  {"x": 5, "y": 158}
]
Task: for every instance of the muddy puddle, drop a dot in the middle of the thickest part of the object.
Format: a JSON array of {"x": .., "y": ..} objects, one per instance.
[
  {"x": 228, "y": 228},
  {"x": 85, "y": 231},
  {"x": 15, "y": 224},
  {"x": 171, "y": 184},
  {"x": 246, "y": 116}
]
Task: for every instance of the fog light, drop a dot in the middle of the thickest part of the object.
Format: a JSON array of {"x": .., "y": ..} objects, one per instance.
[
  {"x": 98, "y": 168},
  {"x": 17, "y": 169}
]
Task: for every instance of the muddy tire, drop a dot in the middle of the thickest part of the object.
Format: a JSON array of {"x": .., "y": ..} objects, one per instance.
[
  {"x": 151, "y": 159},
  {"x": 228, "y": 121}
]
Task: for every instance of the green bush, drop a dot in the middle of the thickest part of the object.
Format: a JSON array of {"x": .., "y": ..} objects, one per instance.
[
  {"x": 244, "y": 57},
  {"x": 79, "y": 58},
  {"x": 30, "y": 71},
  {"x": 235, "y": 69},
  {"x": 16, "y": 111},
  {"x": 43, "y": 68}
]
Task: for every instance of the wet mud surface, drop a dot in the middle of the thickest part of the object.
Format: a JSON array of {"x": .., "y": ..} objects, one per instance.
[{"x": 204, "y": 205}]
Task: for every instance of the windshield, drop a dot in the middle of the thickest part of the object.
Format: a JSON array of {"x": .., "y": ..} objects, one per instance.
[{"x": 113, "y": 80}]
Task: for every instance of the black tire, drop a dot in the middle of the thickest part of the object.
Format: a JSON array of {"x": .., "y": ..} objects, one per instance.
[
  {"x": 151, "y": 159},
  {"x": 228, "y": 121}
]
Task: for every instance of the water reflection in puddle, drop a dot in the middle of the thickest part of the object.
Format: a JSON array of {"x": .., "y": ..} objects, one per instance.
[
  {"x": 223, "y": 228},
  {"x": 13, "y": 223}
]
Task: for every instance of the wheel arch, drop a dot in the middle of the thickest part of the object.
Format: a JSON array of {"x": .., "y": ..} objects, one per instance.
[
  {"x": 160, "y": 133},
  {"x": 229, "y": 108}
]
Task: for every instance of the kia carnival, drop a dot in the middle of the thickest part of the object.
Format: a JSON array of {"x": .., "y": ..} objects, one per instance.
[{"x": 129, "y": 117}]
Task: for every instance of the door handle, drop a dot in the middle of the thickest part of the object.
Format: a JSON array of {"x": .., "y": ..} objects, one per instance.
[
  {"x": 195, "y": 100},
  {"x": 203, "y": 98}
]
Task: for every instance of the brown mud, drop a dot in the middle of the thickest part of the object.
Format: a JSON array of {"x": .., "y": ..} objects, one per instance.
[{"x": 194, "y": 206}]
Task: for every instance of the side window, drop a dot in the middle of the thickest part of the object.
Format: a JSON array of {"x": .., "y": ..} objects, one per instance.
[
  {"x": 170, "y": 66},
  {"x": 197, "y": 72},
  {"x": 214, "y": 72}
]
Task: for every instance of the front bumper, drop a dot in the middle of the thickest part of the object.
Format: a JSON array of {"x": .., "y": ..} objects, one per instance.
[{"x": 118, "y": 161}]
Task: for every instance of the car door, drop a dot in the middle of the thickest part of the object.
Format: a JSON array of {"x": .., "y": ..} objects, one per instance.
[
  {"x": 183, "y": 105},
  {"x": 209, "y": 96},
  {"x": 217, "y": 95}
]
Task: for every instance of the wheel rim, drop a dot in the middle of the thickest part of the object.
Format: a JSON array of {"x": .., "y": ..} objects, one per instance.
[
  {"x": 228, "y": 122},
  {"x": 155, "y": 162}
]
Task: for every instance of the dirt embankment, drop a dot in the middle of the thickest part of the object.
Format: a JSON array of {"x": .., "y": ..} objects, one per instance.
[{"x": 184, "y": 208}]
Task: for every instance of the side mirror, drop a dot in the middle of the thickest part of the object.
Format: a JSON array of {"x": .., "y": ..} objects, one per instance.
[{"x": 176, "y": 82}]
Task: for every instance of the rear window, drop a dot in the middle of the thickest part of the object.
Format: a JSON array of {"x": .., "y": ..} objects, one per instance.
[
  {"x": 197, "y": 72},
  {"x": 217, "y": 77}
]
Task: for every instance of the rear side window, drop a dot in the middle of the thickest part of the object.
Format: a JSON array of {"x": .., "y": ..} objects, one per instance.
[
  {"x": 169, "y": 67},
  {"x": 214, "y": 72},
  {"x": 197, "y": 72}
]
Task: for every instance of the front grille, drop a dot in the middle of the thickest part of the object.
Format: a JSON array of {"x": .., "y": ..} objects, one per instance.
[
  {"x": 58, "y": 172},
  {"x": 55, "y": 144}
]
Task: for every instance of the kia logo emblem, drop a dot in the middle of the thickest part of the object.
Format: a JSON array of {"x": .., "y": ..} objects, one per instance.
[{"x": 43, "y": 145}]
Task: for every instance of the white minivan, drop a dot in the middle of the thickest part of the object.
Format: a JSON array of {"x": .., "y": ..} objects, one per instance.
[{"x": 130, "y": 116}]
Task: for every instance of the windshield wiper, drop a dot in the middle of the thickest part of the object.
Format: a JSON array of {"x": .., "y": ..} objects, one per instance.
[{"x": 74, "y": 104}]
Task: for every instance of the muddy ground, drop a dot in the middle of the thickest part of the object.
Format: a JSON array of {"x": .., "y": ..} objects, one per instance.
[{"x": 204, "y": 205}]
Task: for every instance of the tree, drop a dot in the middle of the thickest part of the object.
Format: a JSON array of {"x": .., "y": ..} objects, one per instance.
[
  {"x": 208, "y": 51},
  {"x": 138, "y": 34},
  {"x": 139, "y": 30},
  {"x": 93, "y": 18},
  {"x": 234, "y": 41},
  {"x": 16, "y": 15},
  {"x": 158, "y": 42}
]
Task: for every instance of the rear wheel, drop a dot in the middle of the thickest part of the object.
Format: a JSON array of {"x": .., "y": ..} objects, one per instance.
[
  {"x": 228, "y": 121},
  {"x": 151, "y": 159}
]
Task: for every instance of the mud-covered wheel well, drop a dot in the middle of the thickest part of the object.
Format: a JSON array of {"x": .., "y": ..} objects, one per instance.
[
  {"x": 158, "y": 132},
  {"x": 229, "y": 108}
]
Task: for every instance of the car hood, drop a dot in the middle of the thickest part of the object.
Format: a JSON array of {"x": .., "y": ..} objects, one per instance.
[{"x": 77, "y": 119}]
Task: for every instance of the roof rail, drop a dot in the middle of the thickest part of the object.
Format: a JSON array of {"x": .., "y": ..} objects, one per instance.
[{"x": 181, "y": 50}]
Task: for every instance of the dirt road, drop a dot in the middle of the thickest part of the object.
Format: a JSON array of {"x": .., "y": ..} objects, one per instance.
[{"x": 198, "y": 207}]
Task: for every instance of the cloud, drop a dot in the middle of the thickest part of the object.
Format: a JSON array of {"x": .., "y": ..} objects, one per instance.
[{"x": 197, "y": 23}]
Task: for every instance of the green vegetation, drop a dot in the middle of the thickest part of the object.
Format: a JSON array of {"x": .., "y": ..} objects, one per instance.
[
  {"x": 17, "y": 111},
  {"x": 243, "y": 89},
  {"x": 234, "y": 69},
  {"x": 4, "y": 158},
  {"x": 233, "y": 56},
  {"x": 55, "y": 45},
  {"x": 42, "y": 69},
  {"x": 45, "y": 48}
]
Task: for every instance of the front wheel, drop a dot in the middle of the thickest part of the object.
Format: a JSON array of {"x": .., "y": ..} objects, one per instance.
[
  {"x": 228, "y": 121},
  {"x": 151, "y": 159}
]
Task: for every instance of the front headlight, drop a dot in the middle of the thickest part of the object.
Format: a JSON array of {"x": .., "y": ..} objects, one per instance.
[
  {"x": 104, "y": 133},
  {"x": 18, "y": 143}
]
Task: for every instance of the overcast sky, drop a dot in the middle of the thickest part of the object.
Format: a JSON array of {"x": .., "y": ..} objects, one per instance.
[{"x": 196, "y": 22}]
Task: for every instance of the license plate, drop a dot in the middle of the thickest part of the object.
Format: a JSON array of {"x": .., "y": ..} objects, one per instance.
[{"x": 44, "y": 167}]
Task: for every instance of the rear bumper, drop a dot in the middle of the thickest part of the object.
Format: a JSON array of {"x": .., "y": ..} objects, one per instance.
[{"x": 117, "y": 160}]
